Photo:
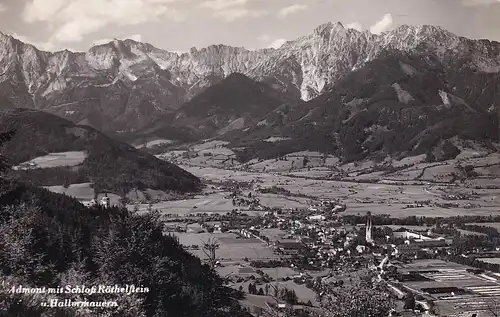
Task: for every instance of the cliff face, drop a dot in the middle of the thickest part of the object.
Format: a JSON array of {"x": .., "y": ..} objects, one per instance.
[
  {"x": 125, "y": 85},
  {"x": 315, "y": 62},
  {"x": 399, "y": 104}
]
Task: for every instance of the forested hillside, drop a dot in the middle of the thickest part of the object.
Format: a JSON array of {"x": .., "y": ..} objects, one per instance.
[
  {"x": 111, "y": 165},
  {"x": 52, "y": 240}
]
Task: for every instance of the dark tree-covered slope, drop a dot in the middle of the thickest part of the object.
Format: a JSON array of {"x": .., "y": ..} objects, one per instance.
[
  {"x": 110, "y": 164},
  {"x": 49, "y": 240}
]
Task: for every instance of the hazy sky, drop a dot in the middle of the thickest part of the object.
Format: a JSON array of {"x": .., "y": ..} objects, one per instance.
[{"x": 178, "y": 25}]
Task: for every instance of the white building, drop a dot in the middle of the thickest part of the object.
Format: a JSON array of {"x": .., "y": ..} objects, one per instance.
[{"x": 369, "y": 228}]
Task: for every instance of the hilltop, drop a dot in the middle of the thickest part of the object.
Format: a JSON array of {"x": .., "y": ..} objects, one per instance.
[
  {"x": 228, "y": 106},
  {"x": 109, "y": 164}
]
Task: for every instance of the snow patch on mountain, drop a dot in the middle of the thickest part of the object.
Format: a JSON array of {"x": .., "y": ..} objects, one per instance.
[
  {"x": 403, "y": 95},
  {"x": 444, "y": 98}
]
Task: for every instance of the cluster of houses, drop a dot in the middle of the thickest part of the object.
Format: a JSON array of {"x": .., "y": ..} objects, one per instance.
[
  {"x": 328, "y": 206},
  {"x": 325, "y": 242}
]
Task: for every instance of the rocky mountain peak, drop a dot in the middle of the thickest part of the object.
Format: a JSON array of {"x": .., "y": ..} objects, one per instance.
[{"x": 75, "y": 84}]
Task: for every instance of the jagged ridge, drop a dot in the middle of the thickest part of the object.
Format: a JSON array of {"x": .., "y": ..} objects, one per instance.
[{"x": 125, "y": 85}]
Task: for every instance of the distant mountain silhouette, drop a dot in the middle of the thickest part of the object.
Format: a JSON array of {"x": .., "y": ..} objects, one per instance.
[{"x": 231, "y": 105}]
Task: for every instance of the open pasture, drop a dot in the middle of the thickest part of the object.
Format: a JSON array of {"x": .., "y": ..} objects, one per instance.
[
  {"x": 279, "y": 272},
  {"x": 79, "y": 191},
  {"x": 377, "y": 198},
  {"x": 152, "y": 143},
  {"x": 71, "y": 158}
]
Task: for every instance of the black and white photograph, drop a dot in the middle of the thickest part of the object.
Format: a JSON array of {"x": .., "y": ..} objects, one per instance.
[{"x": 249, "y": 158}]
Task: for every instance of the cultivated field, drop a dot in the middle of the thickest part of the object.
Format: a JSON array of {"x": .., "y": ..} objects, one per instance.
[
  {"x": 214, "y": 203},
  {"x": 360, "y": 198},
  {"x": 482, "y": 290},
  {"x": 79, "y": 191},
  {"x": 231, "y": 247}
]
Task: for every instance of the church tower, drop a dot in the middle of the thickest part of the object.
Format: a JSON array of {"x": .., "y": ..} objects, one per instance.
[{"x": 369, "y": 228}]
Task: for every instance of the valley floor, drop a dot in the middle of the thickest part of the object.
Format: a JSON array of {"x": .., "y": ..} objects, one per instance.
[{"x": 298, "y": 182}]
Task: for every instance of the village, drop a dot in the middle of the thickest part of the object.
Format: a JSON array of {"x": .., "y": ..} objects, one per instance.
[
  {"x": 279, "y": 234},
  {"x": 281, "y": 257}
]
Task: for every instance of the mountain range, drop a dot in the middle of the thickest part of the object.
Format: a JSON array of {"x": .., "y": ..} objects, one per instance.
[
  {"x": 126, "y": 85},
  {"x": 397, "y": 105}
]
